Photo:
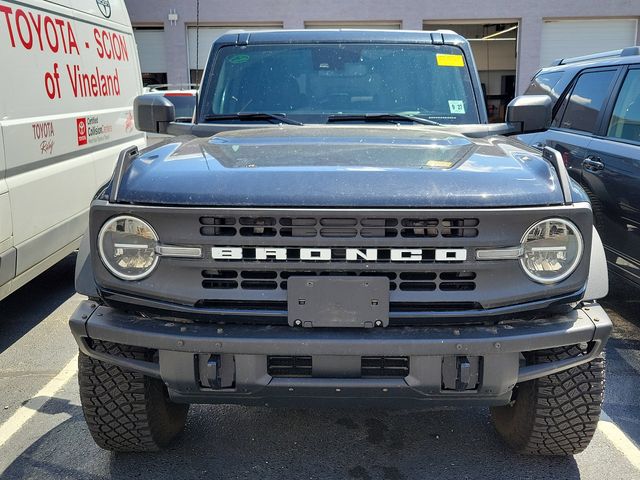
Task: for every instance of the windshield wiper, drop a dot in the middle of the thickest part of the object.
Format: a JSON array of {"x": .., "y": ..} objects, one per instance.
[
  {"x": 250, "y": 116},
  {"x": 380, "y": 117}
]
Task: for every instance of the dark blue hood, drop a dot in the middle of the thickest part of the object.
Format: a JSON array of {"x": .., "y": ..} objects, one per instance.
[{"x": 341, "y": 166}]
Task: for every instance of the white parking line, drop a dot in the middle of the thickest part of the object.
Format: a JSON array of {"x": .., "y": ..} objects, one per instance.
[
  {"x": 619, "y": 439},
  {"x": 28, "y": 410}
]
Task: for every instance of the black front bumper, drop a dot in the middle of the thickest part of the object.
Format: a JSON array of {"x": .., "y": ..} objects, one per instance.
[{"x": 208, "y": 363}]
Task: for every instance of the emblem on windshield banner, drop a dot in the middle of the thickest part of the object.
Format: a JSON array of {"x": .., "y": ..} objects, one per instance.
[{"x": 105, "y": 7}]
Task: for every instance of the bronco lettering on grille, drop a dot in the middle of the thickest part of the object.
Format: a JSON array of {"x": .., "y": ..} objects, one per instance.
[{"x": 344, "y": 254}]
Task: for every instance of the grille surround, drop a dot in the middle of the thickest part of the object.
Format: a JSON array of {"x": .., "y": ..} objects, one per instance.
[{"x": 176, "y": 285}]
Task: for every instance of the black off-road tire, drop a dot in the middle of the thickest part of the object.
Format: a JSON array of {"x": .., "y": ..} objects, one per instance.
[
  {"x": 557, "y": 414},
  {"x": 127, "y": 411},
  {"x": 596, "y": 207}
]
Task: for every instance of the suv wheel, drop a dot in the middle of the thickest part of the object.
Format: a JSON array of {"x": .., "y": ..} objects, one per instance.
[
  {"x": 596, "y": 207},
  {"x": 126, "y": 411},
  {"x": 557, "y": 414}
]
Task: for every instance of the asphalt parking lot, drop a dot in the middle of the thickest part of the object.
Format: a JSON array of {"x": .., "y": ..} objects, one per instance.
[{"x": 43, "y": 434}]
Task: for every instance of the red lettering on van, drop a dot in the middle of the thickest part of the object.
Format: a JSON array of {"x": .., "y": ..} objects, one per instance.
[
  {"x": 37, "y": 25},
  {"x": 111, "y": 45},
  {"x": 26, "y": 25},
  {"x": 50, "y": 33},
  {"x": 7, "y": 12},
  {"x": 24, "y": 29}
]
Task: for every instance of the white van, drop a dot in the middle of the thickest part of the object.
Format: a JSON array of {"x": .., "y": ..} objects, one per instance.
[{"x": 69, "y": 74}]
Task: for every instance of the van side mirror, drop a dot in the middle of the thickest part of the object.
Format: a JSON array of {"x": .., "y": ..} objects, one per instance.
[
  {"x": 530, "y": 113},
  {"x": 153, "y": 113}
]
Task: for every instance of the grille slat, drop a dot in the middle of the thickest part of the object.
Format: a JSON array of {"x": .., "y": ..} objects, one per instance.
[
  {"x": 289, "y": 366},
  {"x": 339, "y": 227},
  {"x": 416, "y": 281},
  {"x": 385, "y": 367},
  {"x": 371, "y": 367}
]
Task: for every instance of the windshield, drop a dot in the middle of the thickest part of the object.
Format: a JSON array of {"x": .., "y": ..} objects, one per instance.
[{"x": 312, "y": 82}]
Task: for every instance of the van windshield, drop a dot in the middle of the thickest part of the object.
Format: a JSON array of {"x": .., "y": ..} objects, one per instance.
[{"x": 313, "y": 82}]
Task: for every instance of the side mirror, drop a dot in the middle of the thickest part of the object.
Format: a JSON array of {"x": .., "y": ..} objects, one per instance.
[
  {"x": 153, "y": 113},
  {"x": 530, "y": 113}
]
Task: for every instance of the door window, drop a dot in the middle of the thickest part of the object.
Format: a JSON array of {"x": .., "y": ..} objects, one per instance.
[
  {"x": 625, "y": 121},
  {"x": 587, "y": 98},
  {"x": 543, "y": 83}
]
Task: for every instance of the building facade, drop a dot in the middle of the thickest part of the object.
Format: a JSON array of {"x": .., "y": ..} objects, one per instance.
[{"x": 511, "y": 39}]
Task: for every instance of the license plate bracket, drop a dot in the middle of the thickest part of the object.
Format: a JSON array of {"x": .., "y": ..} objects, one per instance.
[{"x": 357, "y": 302}]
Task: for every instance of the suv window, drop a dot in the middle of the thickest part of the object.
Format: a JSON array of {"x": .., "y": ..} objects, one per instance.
[
  {"x": 543, "y": 83},
  {"x": 625, "y": 121},
  {"x": 310, "y": 82},
  {"x": 586, "y": 100}
]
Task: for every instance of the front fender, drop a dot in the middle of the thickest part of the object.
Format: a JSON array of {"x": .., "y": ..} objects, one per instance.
[
  {"x": 84, "y": 279},
  {"x": 598, "y": 281}
]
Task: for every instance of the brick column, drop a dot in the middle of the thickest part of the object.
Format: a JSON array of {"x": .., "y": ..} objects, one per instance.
[
  {"x": 176, "y": 45},
  {"x": 529, "y": 41}
]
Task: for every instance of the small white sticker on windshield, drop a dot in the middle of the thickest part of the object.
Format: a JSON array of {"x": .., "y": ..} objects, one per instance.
[{"x": 456, "y": 106}]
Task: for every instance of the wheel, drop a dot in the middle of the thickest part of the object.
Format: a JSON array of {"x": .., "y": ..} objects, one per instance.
[
  {"x": 126, "y": 411},
  {"x": 557, "y": 414},
  {"x": 596, "y": 207}
]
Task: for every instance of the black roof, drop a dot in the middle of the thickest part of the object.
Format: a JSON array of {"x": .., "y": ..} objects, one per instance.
[{"x": 625, "y": 56}]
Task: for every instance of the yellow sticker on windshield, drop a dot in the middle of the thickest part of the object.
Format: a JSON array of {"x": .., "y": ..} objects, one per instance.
[
  {"x": 438, "y": 164},
  {"x": 445, "y": 60}
]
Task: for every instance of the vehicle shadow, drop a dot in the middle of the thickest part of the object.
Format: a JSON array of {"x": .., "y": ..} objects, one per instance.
[
  {"x": 623, "y": 358},
  {"x": 25, "y": 308},
  {"x": 232, "y": 442},
  {"x": 624, "y": 299}
]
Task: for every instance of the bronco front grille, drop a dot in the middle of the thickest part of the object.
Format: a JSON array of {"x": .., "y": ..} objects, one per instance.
[
  {"x": 249, "y": 256},
  {"x": 342, "y": 227},
  {"x": 415, "y": 281}
]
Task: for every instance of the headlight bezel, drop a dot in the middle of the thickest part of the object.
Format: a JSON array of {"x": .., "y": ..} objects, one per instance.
[
  {"x": 103, "y": 257},
  {"x": 574, "y": 265}
]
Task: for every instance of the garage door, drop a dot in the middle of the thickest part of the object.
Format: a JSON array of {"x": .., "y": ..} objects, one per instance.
[
  {"x": 151, "y": 49},
  {"x": 571, "y": 38},
  {"x": 208, "y": 35}
]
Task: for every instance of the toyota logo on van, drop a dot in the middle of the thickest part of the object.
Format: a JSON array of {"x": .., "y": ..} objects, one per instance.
[
  {"x": 105, "y": 7},
  {"x": 81, "y": 129}
]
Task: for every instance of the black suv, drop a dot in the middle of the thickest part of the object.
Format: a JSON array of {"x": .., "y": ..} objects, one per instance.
[
  {"x": 596, "y": 128},
  {"x": 341, "y": 225}
]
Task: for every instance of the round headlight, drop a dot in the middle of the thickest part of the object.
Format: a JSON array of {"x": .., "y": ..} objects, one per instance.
[
  {"x": 127, "y": 247},
  {"x": 551, "y": 250}
]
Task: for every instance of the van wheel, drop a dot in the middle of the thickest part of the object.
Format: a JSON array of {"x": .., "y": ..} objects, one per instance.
[
  {"x": 126, "y": 411},
  {"x": 557, "y": 414}
]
